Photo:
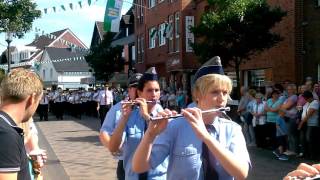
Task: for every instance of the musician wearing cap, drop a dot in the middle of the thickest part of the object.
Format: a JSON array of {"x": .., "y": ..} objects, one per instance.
[
  {"x": 199, "y": 145},
  {"x": 134, "y": 122},
  {"x": 112, "y": 119}
]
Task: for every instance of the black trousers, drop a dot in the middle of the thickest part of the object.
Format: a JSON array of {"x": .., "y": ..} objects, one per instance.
[
  {"x": 271, "y": 132},
  {"x": 103, "y": 111},
  {"x": 120, "y": 171},
  {"x": 59, "y": 106},
  {"x": 43, "y": 111},
  {"x": 260, "y": 133}
]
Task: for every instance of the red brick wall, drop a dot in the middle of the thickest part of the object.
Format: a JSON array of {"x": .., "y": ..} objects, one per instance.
[
  {"x": 160, "y": 55},
  {"x": 310, "y": 38},
  {"x": 281, "y": 58}
]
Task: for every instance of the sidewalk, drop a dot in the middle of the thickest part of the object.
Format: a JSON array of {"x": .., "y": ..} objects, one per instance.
[{"x": 74, "y": 150}]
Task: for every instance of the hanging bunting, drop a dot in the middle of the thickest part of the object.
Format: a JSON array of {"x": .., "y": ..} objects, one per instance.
[
  {"x": 89, "y": 2},
  {"x": 80, "y": 4},
  {"x": 112, "y": 16},
  {"x": 71, "y": 6},
  {"x": 45, "y": 10},
  {"x": 63, "y": 8},
  {"x": 54, "y": 9}
]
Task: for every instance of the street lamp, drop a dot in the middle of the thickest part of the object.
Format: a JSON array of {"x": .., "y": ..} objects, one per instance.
[{"x": 8, "y": 38}]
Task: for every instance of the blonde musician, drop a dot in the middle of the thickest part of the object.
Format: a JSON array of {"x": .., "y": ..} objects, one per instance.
[{"x": 199, "y": 146}]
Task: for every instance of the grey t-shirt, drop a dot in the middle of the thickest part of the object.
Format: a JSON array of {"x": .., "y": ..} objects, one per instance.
[{"x": 313, "y": 120}]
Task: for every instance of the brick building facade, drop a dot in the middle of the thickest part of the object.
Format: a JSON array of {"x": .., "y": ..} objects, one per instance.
[
  {"x": 161, "y": 40},
  {"x": 294, "y": 58}
]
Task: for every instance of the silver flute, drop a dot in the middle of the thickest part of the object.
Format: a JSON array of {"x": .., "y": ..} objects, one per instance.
[
  {"x": 306, "y": 178},
  {"x": 222, "y": 109},
  {"x": 134, "y": 102}
]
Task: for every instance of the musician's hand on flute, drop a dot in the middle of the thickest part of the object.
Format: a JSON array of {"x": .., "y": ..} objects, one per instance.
[
  {"x": 194, "y": 117},
  {"x": 126, "y": 110},
  {"x": 156, "y": 127},
  {"x": 143, "y": 107},
  {"x": 303, "y": 171}
]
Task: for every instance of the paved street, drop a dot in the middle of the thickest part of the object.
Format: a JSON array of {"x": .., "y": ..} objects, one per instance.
[{"x": 75, "y": 153}]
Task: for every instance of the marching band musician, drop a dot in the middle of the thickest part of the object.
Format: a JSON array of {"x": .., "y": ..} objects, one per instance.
[
  {"x": 112, "y": 119},
  {"x": 59, "y": 100},
  {"x": 44, "y": 106},
  {"x": 199, "y": 146},
  {"x": 133, "y": 124},
  {"x": 77, "y": 104}
]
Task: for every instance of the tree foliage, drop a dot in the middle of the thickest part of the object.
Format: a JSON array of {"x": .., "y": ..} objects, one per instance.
[
  {"x": 235, "y": 30},
  {"x": 105, "y": 59},
  {"x": 17, "y": 16}
]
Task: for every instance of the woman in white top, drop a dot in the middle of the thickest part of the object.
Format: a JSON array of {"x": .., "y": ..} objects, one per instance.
[{"x": 259, "y": 120}]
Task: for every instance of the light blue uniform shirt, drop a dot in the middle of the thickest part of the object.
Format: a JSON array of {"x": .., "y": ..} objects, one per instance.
[
  {"x": 111, "y": 121},
  {"x": 133, "y": 135},
  {"x": 192, "y": 105},
  {"x": 180, "y": 143}
]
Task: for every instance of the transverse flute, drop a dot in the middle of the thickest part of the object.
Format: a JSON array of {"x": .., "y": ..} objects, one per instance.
[
  {"x": 134, "y": 102},
  {"x": 222, "y": 109},
  {"x": 307, "y": 178}
]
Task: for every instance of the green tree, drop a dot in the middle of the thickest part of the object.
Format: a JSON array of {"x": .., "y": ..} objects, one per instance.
[
  {"x": 235, "y": 30},
  {"x": 17, "y": 16},
  {"x": 105, "y": 59}
]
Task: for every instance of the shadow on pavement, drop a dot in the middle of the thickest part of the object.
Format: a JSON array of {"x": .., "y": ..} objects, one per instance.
[{"x": 91, "y": 139}]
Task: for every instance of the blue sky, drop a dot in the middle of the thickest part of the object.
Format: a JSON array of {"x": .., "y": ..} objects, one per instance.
[{"x": 80, "y": 20}]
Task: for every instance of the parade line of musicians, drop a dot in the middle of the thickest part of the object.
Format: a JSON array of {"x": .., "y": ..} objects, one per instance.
[{"x": 194, "y": 146}]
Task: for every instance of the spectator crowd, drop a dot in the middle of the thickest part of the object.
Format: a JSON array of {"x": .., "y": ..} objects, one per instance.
[{"x": 283, "y": 118}]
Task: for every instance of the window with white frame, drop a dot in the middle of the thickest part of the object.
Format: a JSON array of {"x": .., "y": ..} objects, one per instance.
[
  {"x": 170, "y": 34},
  {"x": 133, "y": 53},
  {"x": 123, "y": 54},
  {"x": 177, "y": 31},
  {"x": 142, "y": 43},
  {"x": 141, "y": 11},
  {"x": 142, "y": 47},
  {"x": 137, "y": 8},
  {"x": 162, "y": 38},
  {"x": 138, "y": 50},
  {"x": 152, "y": 37},
  {"x": 152, "y": 3}
]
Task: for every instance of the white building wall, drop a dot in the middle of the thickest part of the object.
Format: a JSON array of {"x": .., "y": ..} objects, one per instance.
[
  {"x": 47, "y": 71},
  {"x": 64, "y": 80},
  {"x": 72, "y": 81}
]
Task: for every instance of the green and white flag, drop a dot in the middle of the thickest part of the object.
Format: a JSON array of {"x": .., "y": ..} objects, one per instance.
[{"x": 112, "y": 16}]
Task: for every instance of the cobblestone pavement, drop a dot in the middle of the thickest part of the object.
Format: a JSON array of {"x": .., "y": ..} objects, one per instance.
[{"x": 77, "y": 148}]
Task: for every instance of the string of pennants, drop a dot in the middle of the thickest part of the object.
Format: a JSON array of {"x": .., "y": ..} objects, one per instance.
[
  {"x": 69, "y": 6},
  {"x": 62, "y": 60},
  {"x": 81, "y": 4},
  {"x": 38, "y": 63}
]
